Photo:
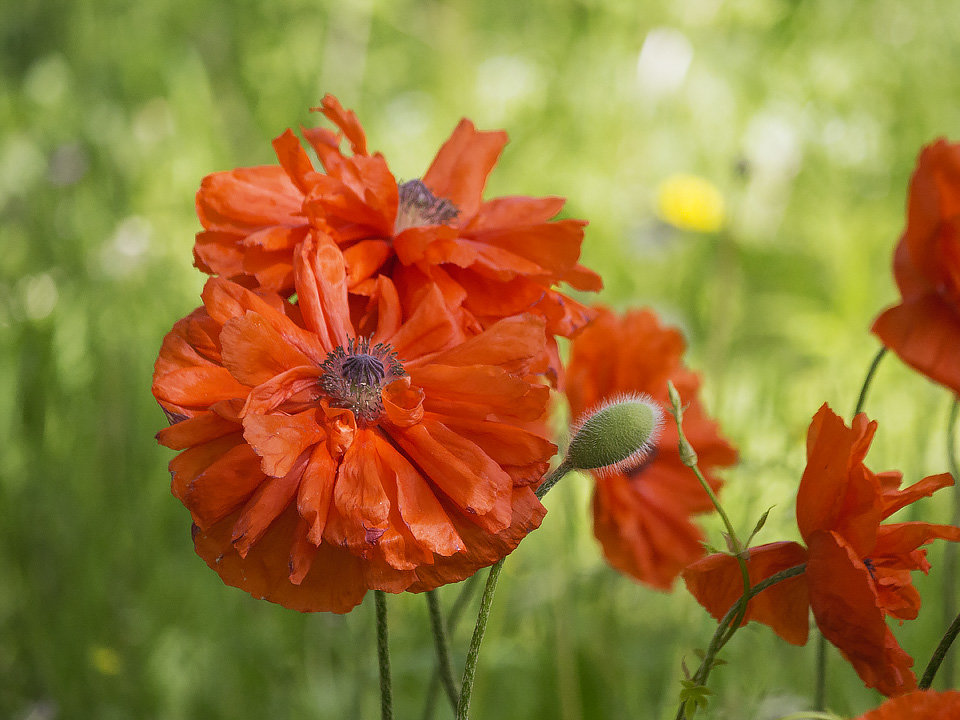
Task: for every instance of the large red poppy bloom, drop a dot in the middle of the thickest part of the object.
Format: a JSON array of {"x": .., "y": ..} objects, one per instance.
[
  {"x": 858, "y": 570},
  {"x": 924, "y": 329},
  {"x": 642, "y": 516},
  {"x": 325, "y": 452},
  {"x": 918, "y": 705},
  {"x": 492, "y": 258}
]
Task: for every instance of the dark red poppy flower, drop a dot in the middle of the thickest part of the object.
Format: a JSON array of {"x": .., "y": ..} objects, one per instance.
[
  {"x": 491, "y": 259},
  {"x": 918, "y": 705},
  {"x": 858, "y": 570},
  {"x": 329, "y": 448},
  {"x": 642, "y": 516},
  {"x": 924, "y": 329}
]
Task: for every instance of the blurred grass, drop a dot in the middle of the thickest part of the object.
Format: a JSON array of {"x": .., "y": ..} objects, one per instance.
[{"x": 806, "y": 116}]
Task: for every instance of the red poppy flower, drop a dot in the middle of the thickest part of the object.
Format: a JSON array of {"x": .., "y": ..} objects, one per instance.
[
  {"x": 642, "y": 516},
  {"x": 324, "y": 452},
  {"x": 858, "y": 570},
  {"x": 492, "y": 258},
  {"x": 918, "y": 705},
  {"x": 924, "y": 329}
]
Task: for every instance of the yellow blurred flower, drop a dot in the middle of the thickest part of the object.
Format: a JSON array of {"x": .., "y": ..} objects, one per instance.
[
  {"x": 105, "y": 660},
  {"x": 690, "y": 202}
]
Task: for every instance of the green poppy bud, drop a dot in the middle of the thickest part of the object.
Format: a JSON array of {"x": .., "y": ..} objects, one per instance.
[{"x": 617, "y": 435}]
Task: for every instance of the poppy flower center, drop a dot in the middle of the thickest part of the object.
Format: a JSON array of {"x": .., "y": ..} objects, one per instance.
[
  {"x": 353, "y": 376},
  {"x": 418, "y": 206}
]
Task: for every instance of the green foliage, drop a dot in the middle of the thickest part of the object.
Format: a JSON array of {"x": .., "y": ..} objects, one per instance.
[{"x": 805, "y": 115}]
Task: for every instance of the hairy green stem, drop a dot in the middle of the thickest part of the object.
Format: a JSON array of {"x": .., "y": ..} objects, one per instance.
[
  {"x": 383, "y": 655},
  {"x": 862, "y": 398},
  {"x": 726, "y": 628},
  {"x": 443, "y": 649},
  {"x": 470, "y": 667},
  {"x": 473, "y": 654},
  {"x": 453, "y": 619},
  {"x": 689, "y": 458}
]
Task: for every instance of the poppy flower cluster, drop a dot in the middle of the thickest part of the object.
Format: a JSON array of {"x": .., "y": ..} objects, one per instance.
[
  {"x": 642, "y": 515},
  {"x": 360, "y": 401},
  {"x": 857, "y": 568}
]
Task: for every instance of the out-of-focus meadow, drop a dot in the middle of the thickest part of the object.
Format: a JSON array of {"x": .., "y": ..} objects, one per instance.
[{"x": 799, "y": 122}]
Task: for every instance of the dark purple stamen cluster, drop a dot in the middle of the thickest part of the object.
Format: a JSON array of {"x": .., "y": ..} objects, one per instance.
[
  {"x": 354, "y": 376},
  {"x": 418, "y": 206}
]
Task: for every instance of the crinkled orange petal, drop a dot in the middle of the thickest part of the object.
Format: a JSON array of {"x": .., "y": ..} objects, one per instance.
[
  {"x": 264, "y": 572},
  {"x": 190, "y": 463},
  {"x": 295, "y": 161},
  {"x": 507, "y": 444},
  {"x": 302, "y": 552},
  {"x": 418, "y": 506},
  {"x": 715, "y": 581},
  {"x": 402, "y": 403},
  {"x": 223, "y": 486},
  {"x": 894, "y": 498},
  {"x": 322, "y": 291},
  {"x": 248, "y": 199},
  {"x": 225, "y": 300},
  {"x": 836, "y": 491},
  {"x": 271, "y": 394},
  {"x": 554, "y": 246},
  {"x": 197, "y": 430},
  {"x": 347, "y": 121},
  {"x": 847, "y": 610},
  {"x": 512, "y": 343},
  {"x": 456, "y": 466},
  {"x": 479, "y": 391},
  {"x": 270, "y": 499},
  {"x": 254, "y": 352},
  {"x": 482, "y": 547},
  {"x": 279, "y": 439},
  {"x": 430, "y": 329},
  {"x": 510, "y": 211},
  {"x": 364, "y": 258},
  {"x": 358, "y": 493},
  {"x": 460, "y": 169}
]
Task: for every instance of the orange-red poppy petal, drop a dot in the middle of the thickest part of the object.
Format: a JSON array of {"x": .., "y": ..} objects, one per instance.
[
  {"x": 918, "y": 705},
  {"x": 848, "y": 613},
  {"x": 716, "y": 582},
  {"x": 460, "y": 169}
]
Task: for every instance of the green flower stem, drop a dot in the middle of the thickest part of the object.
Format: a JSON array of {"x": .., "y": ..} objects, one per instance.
[
  {"x": 820, "y": 674},
  {"x": 689, "y": 458},
  {"x": 950, "y": 553},
  {"x": 939, "y": 654},
  {"x": 726, "y": 628},
  {"x": 470, "y": 667},
  {"x": 552, "y": 478},
  {"x": 443, "y": 650},
  {"x": 383, "y": 655},
  {"x": 862, "y": 398},
  {"x": 453, "y": 619}
]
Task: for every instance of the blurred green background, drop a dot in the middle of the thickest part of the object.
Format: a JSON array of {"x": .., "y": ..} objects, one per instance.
[{"x": 805, "y": 117}]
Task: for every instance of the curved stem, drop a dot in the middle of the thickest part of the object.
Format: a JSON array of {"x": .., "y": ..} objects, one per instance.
[
  {"x": 453, "y": 619},
  {"x": 443, "y": 649},
  {"x": 725, "y": 629},
  {"x": 688, "y": 457},
  {"x": 470, "y": 667},
  {"x": 939, "y": 654},
  {"x": 383, "y": 655},
  {"x": 862, "y": 398}
]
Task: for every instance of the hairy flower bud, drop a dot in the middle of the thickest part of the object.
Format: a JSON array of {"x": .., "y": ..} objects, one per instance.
[{"x": 616, "y": 435}]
